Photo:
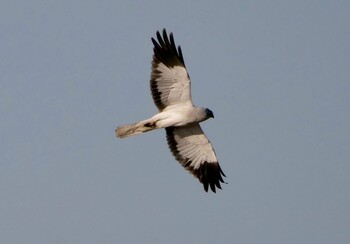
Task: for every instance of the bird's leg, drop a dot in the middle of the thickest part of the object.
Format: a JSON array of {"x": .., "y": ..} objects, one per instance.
[{"x": 151, "y": 124}]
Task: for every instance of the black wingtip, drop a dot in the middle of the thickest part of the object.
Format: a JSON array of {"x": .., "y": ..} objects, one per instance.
[
  {"x": 165, "y": 49},
  {"x": 210, "y": 175}
]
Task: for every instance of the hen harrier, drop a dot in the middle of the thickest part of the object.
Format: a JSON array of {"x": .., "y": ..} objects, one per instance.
[{"x": 171, "y": 91}]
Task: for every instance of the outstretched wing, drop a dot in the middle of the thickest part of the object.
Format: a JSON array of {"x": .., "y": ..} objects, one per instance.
[
  {"x": 170, "y": 82},
  {"x": 193, "y": 150}
]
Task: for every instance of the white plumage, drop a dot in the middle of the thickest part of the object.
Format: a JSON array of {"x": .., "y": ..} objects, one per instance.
[{"x": 171, "y": 92}]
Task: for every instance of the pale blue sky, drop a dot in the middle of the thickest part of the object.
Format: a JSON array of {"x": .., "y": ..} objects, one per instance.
[{"x": 275, "y": 73}]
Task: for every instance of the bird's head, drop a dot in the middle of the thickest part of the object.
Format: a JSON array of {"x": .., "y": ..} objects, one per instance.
[{"x": 209, "y": 113}]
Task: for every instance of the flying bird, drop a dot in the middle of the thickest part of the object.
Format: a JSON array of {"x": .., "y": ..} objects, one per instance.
[{"x": 171, "y": 92}]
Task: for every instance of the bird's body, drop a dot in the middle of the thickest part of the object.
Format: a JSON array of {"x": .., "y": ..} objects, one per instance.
[
  {"x": 171, "y": 91},
  {"x": 176, "y": 116}
]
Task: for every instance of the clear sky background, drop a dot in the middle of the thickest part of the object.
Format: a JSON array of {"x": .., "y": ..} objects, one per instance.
[{"x": 275, "y": 73}]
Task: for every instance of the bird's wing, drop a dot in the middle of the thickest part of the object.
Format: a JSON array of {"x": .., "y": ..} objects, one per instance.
[
  {"x": 170, "y": 82},
  {"x": 194, "y": 151}
]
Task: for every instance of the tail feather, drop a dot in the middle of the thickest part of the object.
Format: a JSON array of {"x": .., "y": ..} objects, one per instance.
[{"x": 132, "y": 129}]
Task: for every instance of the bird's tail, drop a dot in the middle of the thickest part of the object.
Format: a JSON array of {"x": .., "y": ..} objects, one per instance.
[{"x": 133, "y": 129}]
